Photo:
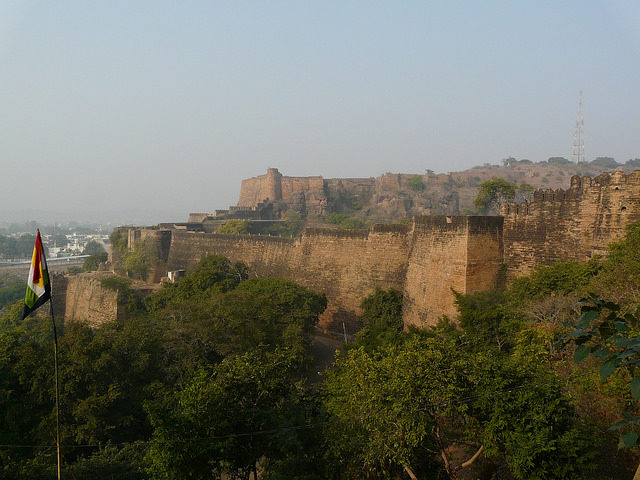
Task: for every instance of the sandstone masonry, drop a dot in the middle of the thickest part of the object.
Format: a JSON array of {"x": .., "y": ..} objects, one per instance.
[{"x": 425, "y": 259}]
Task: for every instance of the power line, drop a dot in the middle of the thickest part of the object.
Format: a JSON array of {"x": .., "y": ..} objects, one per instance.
[{"x": 281, "y": 429}]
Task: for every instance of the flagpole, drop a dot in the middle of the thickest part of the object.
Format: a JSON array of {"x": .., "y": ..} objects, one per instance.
[
  {"x": 37, "y": 294},
  {"x": 55, "y": 360}
]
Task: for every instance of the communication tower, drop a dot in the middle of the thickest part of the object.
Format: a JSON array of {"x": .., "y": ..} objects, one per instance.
[{"x": 578, "y": 137}]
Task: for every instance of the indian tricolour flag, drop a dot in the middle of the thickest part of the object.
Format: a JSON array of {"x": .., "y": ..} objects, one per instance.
[{"x": 38, "y": 284}]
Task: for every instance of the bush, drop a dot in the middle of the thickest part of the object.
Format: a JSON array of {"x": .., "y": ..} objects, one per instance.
[
  {"x": 607, "y": 162},
  {"x": 416, "y": 183},
  {"x": 93, "y": 248},
  {"x": 116, "y": 283},
  {"x": 336, "y": 218},
  {"x": 92, "y": 263},
  {"x": 138, "y": 261},
  {"x": 233, "y": 227}
]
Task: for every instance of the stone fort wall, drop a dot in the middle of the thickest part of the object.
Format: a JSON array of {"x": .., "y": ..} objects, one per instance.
[
  {"x": 428, "y": 258},
  {"x": 85, "y": 300},
  {"x": 313, "y": 191},
  {"x": 423, "y": 260},
  {"x": 573, "y": 224}
]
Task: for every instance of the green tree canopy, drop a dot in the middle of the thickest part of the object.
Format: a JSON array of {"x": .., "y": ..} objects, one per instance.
[
  {"x": 93, "y": 248},
  {"x": 381, "y": 318},
  {"x": 493, "y": 193},
  {"x": 416, "y": 183},
  {"x": 233, "y": 227},
  {"x": 224, "y": 420}
]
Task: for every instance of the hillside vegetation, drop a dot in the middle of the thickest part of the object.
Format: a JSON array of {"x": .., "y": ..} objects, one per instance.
[{"x": 455, "y": 193}]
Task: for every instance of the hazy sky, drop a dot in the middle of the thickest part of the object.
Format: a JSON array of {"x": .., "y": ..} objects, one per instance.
[{"x": 142, "y": 111}]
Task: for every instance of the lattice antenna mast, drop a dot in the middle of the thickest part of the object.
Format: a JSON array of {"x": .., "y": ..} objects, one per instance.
[{"x": 578, "y": 137}]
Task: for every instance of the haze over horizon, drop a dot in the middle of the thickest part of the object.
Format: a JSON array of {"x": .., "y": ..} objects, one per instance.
[{"x": 145, "y": 111}]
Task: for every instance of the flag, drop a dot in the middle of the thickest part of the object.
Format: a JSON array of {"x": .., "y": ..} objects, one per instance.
[{"x": 38, "y": 284}]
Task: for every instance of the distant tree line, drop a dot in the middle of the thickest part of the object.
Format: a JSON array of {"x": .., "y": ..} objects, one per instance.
[
  {"x": 19, "y": 247},
  {"x": 606, "y": 162}
]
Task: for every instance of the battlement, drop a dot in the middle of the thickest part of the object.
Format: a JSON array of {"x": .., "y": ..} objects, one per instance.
[
  {"x": 607, "y": 188},
  {"x": 572, "y": 224}
]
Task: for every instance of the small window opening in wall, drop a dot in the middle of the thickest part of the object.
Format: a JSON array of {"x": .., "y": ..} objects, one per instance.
[
  {"x": 448, "y": 219},
  {"x": 623, "y": 208}
]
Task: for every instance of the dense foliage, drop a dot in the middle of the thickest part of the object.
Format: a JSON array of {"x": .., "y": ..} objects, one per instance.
[
  {"x": 345, "y": 221},
  {"x": 233, "y": 227},
  {"x": 492, "y": 193},
  {"x": 93, "y": 262},
  {"x": 212, "y": 376}
]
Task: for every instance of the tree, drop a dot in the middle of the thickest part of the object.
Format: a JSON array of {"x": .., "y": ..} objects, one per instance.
[
  {"x": 93, "y": 248},
  {"x": 213, "y": 274},
  {"x": 493, "y": 193},
  {"x": 345, "y": 222},
  {"x": 558, "y": 161},
  {"x": 381, "y": 318},
  {"x": 415, "y": 183},
  {"x": 93, "y": 262},
  {"x": 390, "y": 409},
  {"x": 336, "y": 218},
  {"x": 524, "y": 192},
  {"x": 233, "y": 227},
  {"x": 293, "y": 225},
  {"x": 484, "y": 318},
  {"x": 268, "y": 311},
  {"x": 138, "y": 261},
  {"x": 607, "y": 162},
  {"x": 224, "y": 420},
  {"x": 608, "y": 334}
]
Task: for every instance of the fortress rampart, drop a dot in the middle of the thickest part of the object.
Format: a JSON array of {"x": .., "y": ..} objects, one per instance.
[
  {"x": 424, "y": 260},
  {"x": 275, "y": 187},
  {"x": 573, "y": 224},
  {"x": 85, "y": 300},
  {"x": 427, "y": 258},
  {"x": 312, "y": 194}
]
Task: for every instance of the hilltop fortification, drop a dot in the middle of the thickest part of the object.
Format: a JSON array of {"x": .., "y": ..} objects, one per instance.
[
  {"x": 392, "y": 195},
  {"x": 425, "y": 259}
]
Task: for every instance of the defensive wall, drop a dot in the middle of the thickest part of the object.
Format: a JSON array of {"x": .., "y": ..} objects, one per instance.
[
  {"x": 275, "y": 186},
  {"x": 82, "y": 298},
  {"x": 573, "y": 224},
  {"x": 424, "y": 260},
  {"x": 427, "y": 258},
  {"x": 311, "y": 194}
]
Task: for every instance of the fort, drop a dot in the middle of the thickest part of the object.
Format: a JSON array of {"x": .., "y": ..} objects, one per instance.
[
  {"x": 391, "y": 194},
  {"x": 427, "y": 259}
]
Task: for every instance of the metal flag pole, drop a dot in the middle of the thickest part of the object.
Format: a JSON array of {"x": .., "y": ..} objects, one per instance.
[{"x": 55, "y": 360}]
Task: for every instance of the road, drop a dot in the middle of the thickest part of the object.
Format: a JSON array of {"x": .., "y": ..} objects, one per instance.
[{"x": 56, "y": 265}]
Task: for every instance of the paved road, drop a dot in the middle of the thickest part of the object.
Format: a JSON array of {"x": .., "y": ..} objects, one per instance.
[
  {"x": 55, "y": 266},
  {"x": 323, "y": 349}
]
